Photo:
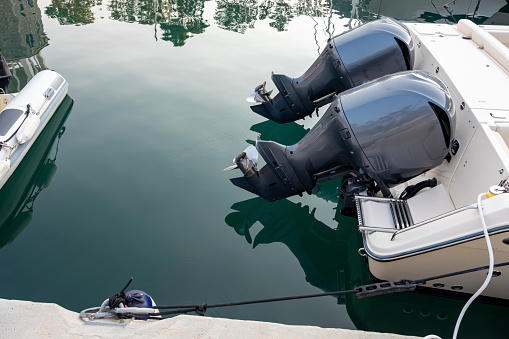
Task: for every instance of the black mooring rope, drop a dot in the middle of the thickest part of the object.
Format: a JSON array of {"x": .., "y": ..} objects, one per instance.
[
  {"x": 119, "y": 298},
  {"x": 360, "y": 292},
  {"x": 202, "y": 308}
]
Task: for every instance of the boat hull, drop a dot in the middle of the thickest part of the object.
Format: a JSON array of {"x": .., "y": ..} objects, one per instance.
[
  {"x": 459, "y": 260},
  {"x": 34, "y": 94},
  {"x": 444, "y": 244}
]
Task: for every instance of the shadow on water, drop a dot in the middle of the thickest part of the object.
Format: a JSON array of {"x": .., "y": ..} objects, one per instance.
[
  {"x": 330, "y": 260},
  {"x": 32, "y": 176}
]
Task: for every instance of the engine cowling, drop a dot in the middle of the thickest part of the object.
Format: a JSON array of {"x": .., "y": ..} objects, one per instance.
[
  {"x": 350, "y": 59},
  {"x": 386, "y": 131}
]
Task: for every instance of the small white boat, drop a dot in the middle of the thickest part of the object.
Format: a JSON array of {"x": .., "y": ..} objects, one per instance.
[
  {"x": 422, "y": 203},
  {"x": 24, "y": 115}
]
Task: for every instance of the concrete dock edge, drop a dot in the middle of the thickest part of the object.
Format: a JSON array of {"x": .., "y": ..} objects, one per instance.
[{"x": 26, "y": 319}]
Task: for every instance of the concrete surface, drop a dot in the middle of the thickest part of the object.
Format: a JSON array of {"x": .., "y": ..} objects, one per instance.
[{"x": 26, "y": 319}]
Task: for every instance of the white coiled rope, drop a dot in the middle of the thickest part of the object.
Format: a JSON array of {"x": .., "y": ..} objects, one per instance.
[{"x": 490, "y": 271}]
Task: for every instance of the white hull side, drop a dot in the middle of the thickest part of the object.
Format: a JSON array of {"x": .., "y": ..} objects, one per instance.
[{"x": 464, "y": 256}]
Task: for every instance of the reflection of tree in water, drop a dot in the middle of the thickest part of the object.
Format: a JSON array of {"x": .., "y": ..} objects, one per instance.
[
  {"x": 186, "y": 17},
  {"x": 238, "y": 15},
  {"x": 282, "y": 14},
  {"x": 72, "y": 12},
  {"x": 178, "y": 19}
]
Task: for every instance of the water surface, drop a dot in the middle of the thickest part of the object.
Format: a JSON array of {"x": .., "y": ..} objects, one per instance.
[{"x": 135, "y": 187}]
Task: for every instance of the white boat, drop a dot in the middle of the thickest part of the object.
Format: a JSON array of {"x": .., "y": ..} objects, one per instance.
[
  {"x": 433, "y": 235},
  {"x": 439, "y": 230},
  {"x": 24, "y": 115}
]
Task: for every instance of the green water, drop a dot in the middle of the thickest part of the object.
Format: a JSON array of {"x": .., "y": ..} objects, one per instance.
[{"x": 128, "y": 180}]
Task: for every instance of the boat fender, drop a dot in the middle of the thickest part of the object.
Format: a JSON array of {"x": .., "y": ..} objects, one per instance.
[
  {"x": 140, "y": 299},
  {"x": 5, "y": 165},
  {"x": 27, "y": 130}
]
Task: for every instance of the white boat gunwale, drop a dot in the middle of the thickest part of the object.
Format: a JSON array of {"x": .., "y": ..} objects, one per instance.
[{"x": 430, "y": 248}]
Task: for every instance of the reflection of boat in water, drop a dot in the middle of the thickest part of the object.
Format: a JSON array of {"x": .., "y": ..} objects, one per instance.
[
  {"x": 438, "y": 12},
  {"x": 416, "y": 141},
  {"x": 421, "y": 314},
  {"x": 330, "y": 261},
  {"x": 33, "y": 174},
  {"x": 321, "y": 251}
]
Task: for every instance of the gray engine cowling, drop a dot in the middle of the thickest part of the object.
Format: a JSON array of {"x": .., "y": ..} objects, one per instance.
[
  {"x": 385, "y": 131},
  {"x": 350, "y": 59}
]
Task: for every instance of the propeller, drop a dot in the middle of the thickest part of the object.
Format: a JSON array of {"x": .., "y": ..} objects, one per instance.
[
  {"x": 260, "y": 94},
  {"x": 246, "y": 161}
]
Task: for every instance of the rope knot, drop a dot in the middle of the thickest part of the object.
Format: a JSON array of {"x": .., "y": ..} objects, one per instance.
[{"x": 201, "y": 309}]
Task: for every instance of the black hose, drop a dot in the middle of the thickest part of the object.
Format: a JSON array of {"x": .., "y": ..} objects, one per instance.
[{"x": 412, "y": 190}]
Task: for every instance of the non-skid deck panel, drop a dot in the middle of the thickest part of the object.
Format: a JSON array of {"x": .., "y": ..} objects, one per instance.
[{"x": 425, "y": 205}]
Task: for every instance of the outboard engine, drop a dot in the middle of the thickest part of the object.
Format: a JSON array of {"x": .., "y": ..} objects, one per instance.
[
  {"x": 350, "y": 59},
  {"x": 5, "y": 74},
  {"x": 383, "y": 132}
]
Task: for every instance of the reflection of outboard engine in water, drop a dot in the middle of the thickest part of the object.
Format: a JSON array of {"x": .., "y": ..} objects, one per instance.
[
  {"x": 386, "y": 132},
  {"x": 5, "y": 74},
  {"x": 350, "y": 59}
]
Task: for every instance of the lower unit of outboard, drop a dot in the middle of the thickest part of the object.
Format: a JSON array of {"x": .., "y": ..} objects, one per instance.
[
  {"x": 383, "y": 132},
  {"x": 350, "y": 59}
]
